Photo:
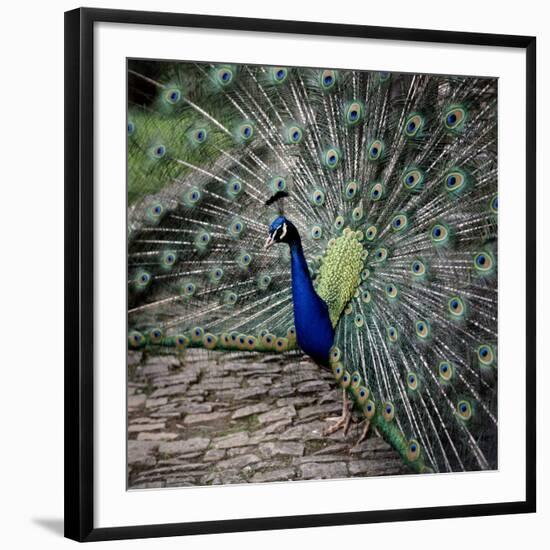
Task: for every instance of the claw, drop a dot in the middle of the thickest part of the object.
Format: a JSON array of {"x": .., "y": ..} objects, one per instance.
[
  {"x": 342, "y": 422},
  {"x": 362, "y": 437}
]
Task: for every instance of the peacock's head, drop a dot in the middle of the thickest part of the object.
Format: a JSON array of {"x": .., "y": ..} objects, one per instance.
[{"x": 282, "y": 231}]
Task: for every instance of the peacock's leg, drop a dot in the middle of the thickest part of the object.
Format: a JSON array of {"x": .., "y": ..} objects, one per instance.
[
  {"x": 362, "y": 437},
  {"x": 343, "y": 421}
]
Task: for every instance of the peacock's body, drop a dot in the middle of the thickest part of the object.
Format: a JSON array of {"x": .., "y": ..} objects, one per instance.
[{"x": 383, "y": 188}]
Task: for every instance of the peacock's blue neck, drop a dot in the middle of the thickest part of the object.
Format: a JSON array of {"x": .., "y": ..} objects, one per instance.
[{"x": 314, "y": 331}]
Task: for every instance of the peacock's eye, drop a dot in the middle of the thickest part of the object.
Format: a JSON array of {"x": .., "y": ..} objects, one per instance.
[
  {"x": 173, "y": 95},
  {"x": 318, "y": 197},
  {"x": 201, "y": 136},
  {"x": 388, "y": 412},
  {"x": 439, "y": 234},
  {"x": 418, "y": 268},
  {"x": 246, "y": 131},
  {"x": 168, "y": 259},
  {"x": 399, "y": 222},
  {"x": 351, "y": 190},
  {"x": 154, "y": 212},
  {"x": 494, "y": 204},
  {"x": 189, "y": 289},
  {"x": 357, "y": 213},
  {"x": 234, "y": 188},
  {"x": 192, "y": 196},
  {"x": 224, "y": 76},
  {"x": 391, "y": 291},
  {"x": 377, "y": 191},
  {"x": 202, "y": 240},
  {"x": 278, "y": 184},
  {"x": 412, "y": 381},
  {"x": 380, "y": 254},
  {"x": 236, "y": 228},
  {"x": 155, "y": 335},
  {"x": 264, "y": 281},
  {"x": 445, "y": 371},
  {"x": 413, "y": 179},
  {"x": 135, "y": 338},
  {"x": 216, "y": 274},
  {"x": 131, "y": 128},
  {"x": 375, "y": 150},
  {"x": 464, "y": 410},
  {"x": 369, "y": 409},
  {"x": 354, "y": 113},
  {"x": 454, "y": 117},
  {"x": 483, "y": 262},
  {"x": 413, "y": 125},
  {"x": 316, "y": 232},
  {"x": 159, "y": 151},
  {"x": 413, "y": 450},
  {"x": 486, "y": 355},
  {"x": 455, "y": 181},
  {"x": 456, "y": 307},
  {"x": 366, "y": 296},
  {"x": 371, "y": 233},
  {"x": 294, "y": 134},
  {"x": 392, "y": 334},
  {"x": 279, "y": 74},
  {"x": 142, "y": 279},
  {"x": 244, "y": 259},
  {"x": 422, "y": 328},
  {"x": 335, "y": 354},
  {"x": 230, "y": 298},
  {"x": 327, "y": 79},
  {"x": 331, "y": 158}
]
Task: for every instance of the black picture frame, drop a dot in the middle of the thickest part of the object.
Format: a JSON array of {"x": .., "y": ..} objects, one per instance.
[{"x": 79, "y": 269}]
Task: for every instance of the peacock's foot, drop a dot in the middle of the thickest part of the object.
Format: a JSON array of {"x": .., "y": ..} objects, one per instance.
[
  {"x": 362, "y": 437},
  {"x": 342, "y": 422}
]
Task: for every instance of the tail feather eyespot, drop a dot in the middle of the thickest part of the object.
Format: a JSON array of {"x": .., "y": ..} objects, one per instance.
[
  {"x": 413, "y": 450},
  {"x": 388, "y": 411}
]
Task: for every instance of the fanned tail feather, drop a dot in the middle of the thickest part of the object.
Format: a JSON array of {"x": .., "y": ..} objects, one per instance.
[{"x": 408, "y": 163}]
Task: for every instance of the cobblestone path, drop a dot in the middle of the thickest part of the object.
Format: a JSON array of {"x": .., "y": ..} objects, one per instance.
[{"x": 206, "y": 418}]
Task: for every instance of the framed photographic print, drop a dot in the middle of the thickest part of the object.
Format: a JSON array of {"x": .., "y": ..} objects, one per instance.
[{"x": 293, "y": 297}]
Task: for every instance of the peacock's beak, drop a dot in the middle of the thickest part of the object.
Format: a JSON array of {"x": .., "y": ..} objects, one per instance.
[{"x": 270, "y": 240}]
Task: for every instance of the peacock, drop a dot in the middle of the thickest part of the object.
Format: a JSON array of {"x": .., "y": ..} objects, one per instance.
[{"x": 347, "y": 215}]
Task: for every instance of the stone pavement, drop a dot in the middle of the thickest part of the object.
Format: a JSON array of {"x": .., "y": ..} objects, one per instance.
[{"x": 208, "y": 418}]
